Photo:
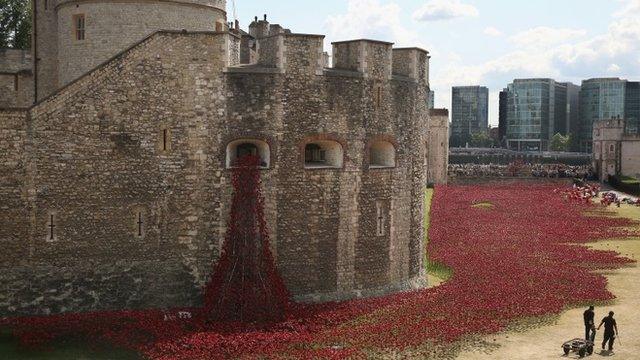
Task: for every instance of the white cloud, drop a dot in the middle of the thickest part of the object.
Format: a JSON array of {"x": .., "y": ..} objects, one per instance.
[
  {"x": 436, "y": 10},
  {"x": 543, "y": 36},
  {"x": 372, "y": 19},
  {"x": 613, "y": 68},
  {"x": 491, "y": 31},
  {"x": 560, "y": 53},
  {"x": 630, "y": 7}
]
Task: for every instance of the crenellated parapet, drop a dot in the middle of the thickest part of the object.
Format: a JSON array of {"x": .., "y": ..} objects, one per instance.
[
  {"x": 304, "y": 53},
  {"x": 370, "y": 57},
  {"x": 120, "y": 180}
]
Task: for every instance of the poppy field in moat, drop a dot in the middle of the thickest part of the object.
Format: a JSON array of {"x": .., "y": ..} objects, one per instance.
[{"x": 512, "y": 260}]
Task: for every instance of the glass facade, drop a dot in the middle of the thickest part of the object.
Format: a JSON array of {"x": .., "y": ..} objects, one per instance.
[
  {"x": 632, "y": 108},
  {"x": 431, "y": 100},
  {"x": 536, "y": 110},
  {"x": 573, "y": 114},
  {"x": 599, "y": 99},
  {"x": 469, "y": 113},
  {"x": 502, "y": 113}
]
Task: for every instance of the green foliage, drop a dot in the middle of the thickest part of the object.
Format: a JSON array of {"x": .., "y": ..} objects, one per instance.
[
  {"x": 15, "y": 24},
  {"x": 629, "y": 180},
  {"x": 560, "y": 143},
  {"x": 481, "y": 140}
]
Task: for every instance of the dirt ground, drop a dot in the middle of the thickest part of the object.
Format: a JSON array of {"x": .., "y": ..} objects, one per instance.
[{"x": 545, "y": 342}]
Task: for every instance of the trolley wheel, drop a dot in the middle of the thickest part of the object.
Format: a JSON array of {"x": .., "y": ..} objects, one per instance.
[
  {"x": 582, "y": 352},
  {"x": 567, "y": 350},
  {"x": 590, "y": 350}
]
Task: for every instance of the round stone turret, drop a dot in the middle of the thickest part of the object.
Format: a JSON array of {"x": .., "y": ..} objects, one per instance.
[{"x": 90, "y": 32}]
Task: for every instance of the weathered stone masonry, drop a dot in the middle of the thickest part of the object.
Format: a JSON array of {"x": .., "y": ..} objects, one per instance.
[{"x": 115, "y": 190}]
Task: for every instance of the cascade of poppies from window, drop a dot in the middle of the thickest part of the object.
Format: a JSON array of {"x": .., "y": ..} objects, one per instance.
[{"x": 246, "y": 286}]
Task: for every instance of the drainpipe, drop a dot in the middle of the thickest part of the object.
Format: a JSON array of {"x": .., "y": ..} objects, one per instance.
[{"x": 35, "y": 51}]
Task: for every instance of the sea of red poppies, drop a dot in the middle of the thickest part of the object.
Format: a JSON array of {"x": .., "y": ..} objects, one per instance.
[{"x": 513, "y": 260}]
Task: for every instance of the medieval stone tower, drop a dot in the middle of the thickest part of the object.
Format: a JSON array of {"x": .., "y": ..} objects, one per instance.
[
  {"x": 115, "y": 184},
  {"x": 72, "y": 37}
]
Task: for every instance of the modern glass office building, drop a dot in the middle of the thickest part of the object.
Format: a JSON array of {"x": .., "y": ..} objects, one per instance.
[
  {"x": 600, "y": 99},
  {"x": 502, "y": 114},
  {"x": 469, "y": 113},
  {"x": 431, "y": 100},
  {"x": 632, "y": 108},
  {"x": 536, "y": 110}
]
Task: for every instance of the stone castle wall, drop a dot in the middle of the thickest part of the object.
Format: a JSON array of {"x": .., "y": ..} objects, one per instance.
[
  {"x": 15, "y": 60},
  {"x": 94, "y": 162},
  {"x": 438, "y": 147},
  {"x": 16, "y": 80},
  {"x": 109, "y": 28},
  {"x": 323, "y": 221},
  {"x": 94, "y": 157}
]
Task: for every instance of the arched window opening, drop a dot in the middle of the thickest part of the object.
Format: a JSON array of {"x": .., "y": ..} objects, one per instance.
[
  {"x": 382, "y": 154},
  {"x": 248, "y": 147},
  {"x": 323, "y": 154}
]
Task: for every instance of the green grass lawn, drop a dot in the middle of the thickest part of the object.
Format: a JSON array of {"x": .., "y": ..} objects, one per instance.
[
  {"x": 629, "y": 180},
  {"x": 10, "y": 350},
  {"x": 436, "y": 273}
]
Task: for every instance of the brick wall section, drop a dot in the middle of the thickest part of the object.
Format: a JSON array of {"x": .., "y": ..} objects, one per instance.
[
  {"x": 14, "y": 60},
  {"x": 14, "y": 127},
  {"x": 94, "y": 161}
]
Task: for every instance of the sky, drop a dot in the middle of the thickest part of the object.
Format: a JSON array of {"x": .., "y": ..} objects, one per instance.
[{"x": 478, "y": 42}]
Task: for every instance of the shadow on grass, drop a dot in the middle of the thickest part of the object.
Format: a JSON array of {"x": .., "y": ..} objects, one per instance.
[{"x": 63, "y": 350}]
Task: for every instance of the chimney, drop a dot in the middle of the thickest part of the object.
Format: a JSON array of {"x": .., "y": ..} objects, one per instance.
[
  {"x": 265, "y": 17},
  {"x": 237, "y": 25}
]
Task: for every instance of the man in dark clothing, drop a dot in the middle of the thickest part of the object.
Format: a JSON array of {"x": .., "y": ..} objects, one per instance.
[
  {"x": 588, "y": 322},
  {"x": 609, "y": 333}
]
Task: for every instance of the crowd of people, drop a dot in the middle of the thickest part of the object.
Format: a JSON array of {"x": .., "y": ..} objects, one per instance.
[
  {"x": 584, "y": 192},
  {"x": 610, "y": 198},
  {"x": 522, "y": 170},
  {"x": 562, "y": 171}
]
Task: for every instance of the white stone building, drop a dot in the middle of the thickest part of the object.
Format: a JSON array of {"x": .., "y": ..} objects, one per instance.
[{"x": 615, "y": 153}]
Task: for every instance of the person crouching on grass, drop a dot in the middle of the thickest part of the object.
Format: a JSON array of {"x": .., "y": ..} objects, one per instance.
[{"x": 609, "y": 327}]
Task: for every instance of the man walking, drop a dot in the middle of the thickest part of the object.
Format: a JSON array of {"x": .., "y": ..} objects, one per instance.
[
  {"x": 589, "y": 324},
  {"x": 609, "y": 333}
]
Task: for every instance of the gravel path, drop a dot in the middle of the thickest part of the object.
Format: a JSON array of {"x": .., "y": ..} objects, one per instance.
[{"x": 545, "y": 342}]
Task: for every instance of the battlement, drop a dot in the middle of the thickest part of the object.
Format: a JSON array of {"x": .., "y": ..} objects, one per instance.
[
  {"x": 439, "y": 112},
  {"x": 412, "y": 63},
  {"x": 15, "y": 60},
  {"x": 304, "y": 53},
  {"x": 609, "y": 123},
  {"x": 271, "y": 46},
  {"x": 372, "y": 58}
]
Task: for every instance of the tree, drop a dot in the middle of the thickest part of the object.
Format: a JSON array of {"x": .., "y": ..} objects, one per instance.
[
  {"x": 15, "y": 24},
  {"x": 560, "y": 143},
  {"x": 481, "y": 140}
]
